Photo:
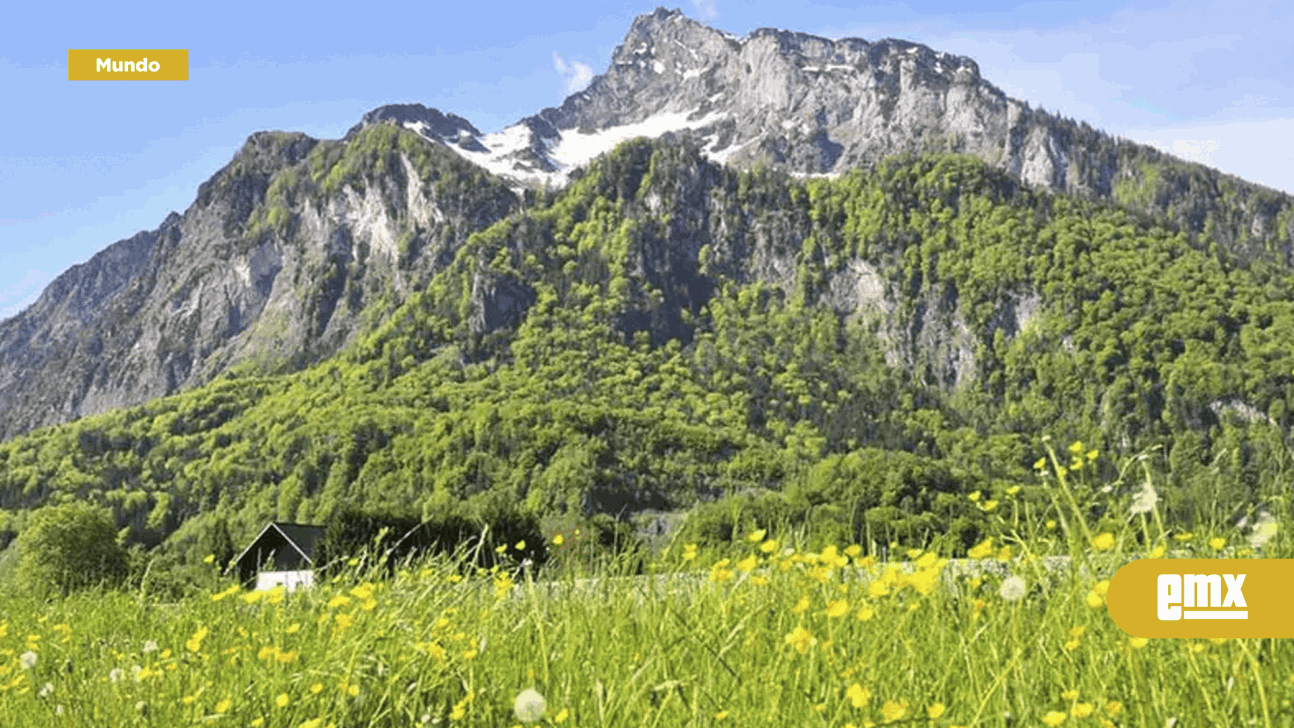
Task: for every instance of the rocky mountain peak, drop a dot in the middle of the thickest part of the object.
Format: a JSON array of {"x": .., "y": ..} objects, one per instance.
[{"x": 429, "y": 122}]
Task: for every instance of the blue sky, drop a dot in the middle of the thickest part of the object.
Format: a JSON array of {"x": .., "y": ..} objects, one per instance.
[{"x": 83, "y": 164}]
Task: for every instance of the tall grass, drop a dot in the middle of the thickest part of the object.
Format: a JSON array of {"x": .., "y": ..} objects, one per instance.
[{"x": 768, "y": 635}]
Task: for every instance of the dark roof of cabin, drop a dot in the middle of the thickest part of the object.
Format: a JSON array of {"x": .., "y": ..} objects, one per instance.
[{"x": 300, "y": 536}]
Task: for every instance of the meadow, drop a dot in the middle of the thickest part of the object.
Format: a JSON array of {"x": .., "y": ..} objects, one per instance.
[{"x": 767, "y": 633}]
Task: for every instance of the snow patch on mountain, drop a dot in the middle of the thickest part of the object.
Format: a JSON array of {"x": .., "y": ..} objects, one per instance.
[{"x": 576, "y": 149}]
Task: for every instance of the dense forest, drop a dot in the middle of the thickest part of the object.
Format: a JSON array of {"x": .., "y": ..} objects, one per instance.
[{"x": 876, "y": 357}]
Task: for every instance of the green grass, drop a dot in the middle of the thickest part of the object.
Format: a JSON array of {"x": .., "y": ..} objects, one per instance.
[{"x": 765, "y": 635}]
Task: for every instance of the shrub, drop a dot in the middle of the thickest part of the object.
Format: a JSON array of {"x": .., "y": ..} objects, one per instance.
[{"x": 69, "y": 547}]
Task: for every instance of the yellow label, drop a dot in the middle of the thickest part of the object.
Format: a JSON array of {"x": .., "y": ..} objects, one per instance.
[
  {"x": 1204, "y": 598},
  {"x": 169, "y": 64}
]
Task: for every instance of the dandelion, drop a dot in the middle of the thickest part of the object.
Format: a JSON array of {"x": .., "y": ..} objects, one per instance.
[
  {"x": 563, "y": 714},
  {"x": 1137, "y": 642},
  {"x": 282, "y": 700},
  {"x": 27, "y": 659},
  {"x": 195, "y": 642},
  {"x": 801, "y": 639},
  {"x": 1082, "y": 710},
  {"x": 936, "y": 711},
  {"x": 1104, "y": 542},
  {"x": 837, "y": 608},
  {"x": 720, "y": 572},
  {"x": 1217, "y": 544},
  {"x": 1094, "y": 600},
  {"x": 757, "y": 535},
  {"x": 864, "y": 614},
  {"x": 982, "y": 551},
  {"x": 893, "y": 711},
  {"x": 858, "y": 695},
  {"x": 1114, "y": 707},
  {"x": 529, "y": 706},
  {"x": 558, "y": 540},
  {"x": 224, "y": 705},
  {"x": 801, "y": 605},
  {"x": 150, "y": 646},
  {"x": 1012, "y": 589},
  {"x": 1264, "y": 531},
  {"x": 748, "y": 564},
  {"x": 689, "y": 552},
  {"x": 1069, "y": 695},
  {"x": 1054, "y": 718},
  {"x": 1145, "y": 499},
  {"x": 768, "y": 546},
  {"x": 46, "y": 690},
  {"x": 114, "y": 674}
]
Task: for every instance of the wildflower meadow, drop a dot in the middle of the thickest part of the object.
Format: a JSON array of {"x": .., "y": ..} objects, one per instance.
[{"x": 768, "y": 633}]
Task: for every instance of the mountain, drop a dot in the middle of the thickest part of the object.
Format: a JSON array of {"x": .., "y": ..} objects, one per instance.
[
  {"x": 812, "y": 105},
  {"x": 299, "y": 247}
]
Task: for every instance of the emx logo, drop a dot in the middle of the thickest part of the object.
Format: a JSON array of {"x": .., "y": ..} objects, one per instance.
[{"x": 1204, "y": 598}]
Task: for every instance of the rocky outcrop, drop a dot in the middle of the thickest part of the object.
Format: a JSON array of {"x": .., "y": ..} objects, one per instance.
[{"x": 270, "y": 268}]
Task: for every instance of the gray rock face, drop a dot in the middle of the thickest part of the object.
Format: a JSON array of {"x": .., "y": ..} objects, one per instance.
[
  {"x": 815, "y": 106},
  {"x": 267, "y": 269}
]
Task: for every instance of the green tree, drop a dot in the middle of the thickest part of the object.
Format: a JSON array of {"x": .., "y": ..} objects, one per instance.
[{"x": 68, "y": 547}]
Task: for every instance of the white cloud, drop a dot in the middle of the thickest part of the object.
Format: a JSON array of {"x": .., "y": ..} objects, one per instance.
[
  {"x": 706, "y": 9},
  {"x": 575, "y": 75}
]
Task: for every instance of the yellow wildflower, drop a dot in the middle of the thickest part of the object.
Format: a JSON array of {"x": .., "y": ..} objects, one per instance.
[
  {"x": 936, "y": 711},
  {"x": 1054, "y": 718},
  {"x": 893, "y": 711},
  {"x": 981, "y": 551},
  {"x": 837, "y": 608},
  {"x": 1082, "y": 710},
  {"x": 195, "y": 642},
  {"x": 801, "y": 640},
  {"x": 1104, "y": 542},
  {"x": 858, "y": 695},
  {"x": 757, "y": 535}
]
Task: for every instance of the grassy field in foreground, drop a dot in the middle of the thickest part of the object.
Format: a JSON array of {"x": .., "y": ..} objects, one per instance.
[{"x": 771, "y": 635}]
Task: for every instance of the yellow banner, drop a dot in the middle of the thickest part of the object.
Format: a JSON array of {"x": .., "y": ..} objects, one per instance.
[
  {"x": 128, "y": 65},
  {"x": 1204, "y": 598}
]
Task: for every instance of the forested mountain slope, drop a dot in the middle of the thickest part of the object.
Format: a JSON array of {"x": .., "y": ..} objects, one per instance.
[
  {"x": 863, "y": 351},
  {"x": 280, "y": 260},
  {"x": 300, "y": 246}
]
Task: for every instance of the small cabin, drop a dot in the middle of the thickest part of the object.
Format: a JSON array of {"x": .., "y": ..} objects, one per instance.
[{"x": 282, "y": 554}]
